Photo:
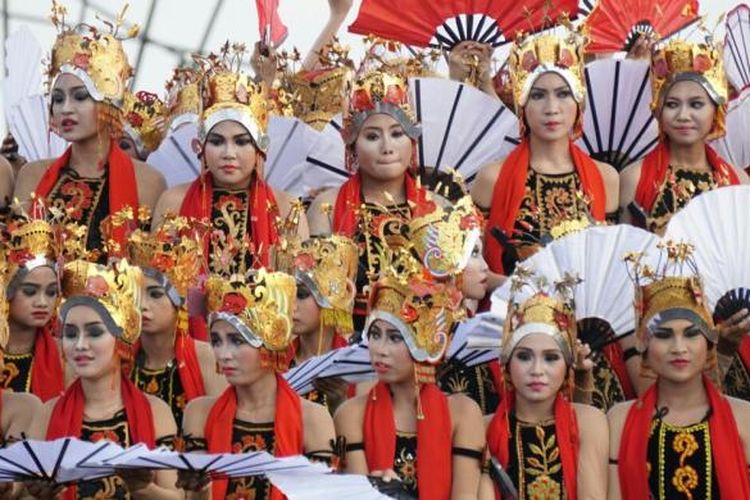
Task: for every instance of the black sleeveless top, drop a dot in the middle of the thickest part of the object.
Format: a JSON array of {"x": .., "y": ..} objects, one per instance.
[
  {"x": 230, "y": 210},
  {"x": 164, "y": 383},
  {"x": 16, "y": 372}
]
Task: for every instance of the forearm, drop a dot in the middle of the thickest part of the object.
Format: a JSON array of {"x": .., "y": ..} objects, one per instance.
[{"x": 312, "y": 61}]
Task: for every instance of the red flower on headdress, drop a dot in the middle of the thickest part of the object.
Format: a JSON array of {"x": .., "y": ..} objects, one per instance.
[
  {"x": 20, "y": 257},
  {"x": 304, "y": 262},
  {"x": 241, "y": 94},
  {"x": 162, "y": 262},
  {"x": 233, "y": 303},
  {"x": 394, "y": 95},
  {"x": 702, "y": 63},
  {"x": 361, "y": 100},
  {"x": 529, "y": 61},
  {"x": 97, "y": 286},
  {"x": 562, "y": 320},
  {"x": 661, "y": 68},
  {"x": 408, "y": 313},
  {"x": 468, "y": 222},
  {"x": 146, "y": 97},
  {"x": 566, "y": 59},
  {"x": 135, "y": 119},
  {"x": 81, "y": 60}
]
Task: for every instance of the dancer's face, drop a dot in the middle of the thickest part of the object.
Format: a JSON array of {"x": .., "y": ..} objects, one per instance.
[
  {"x": 237, "y": 360},
  {"x": 389, "y": 353},
  {"x": 87, "y": 343},
  {"x": 677, "y": 350},
  {"x": 73, "y": 110},
  {"x": 383, "y": 149},
  {"x": 127, "y": 144},
  {"x": 306, "y": 317},
  {"x": 475, "y": 275},
  {"x": 537, "y": 368},
  {"x": 687, "y": 115},
  {"x": 158, "y": 314},
  {"x": 230, "y": 154},
  {"x": 551, "y": 109},
  {"x": 35, "y": 298}
]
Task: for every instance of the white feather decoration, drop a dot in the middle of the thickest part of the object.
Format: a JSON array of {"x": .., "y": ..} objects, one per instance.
[
  {"x": 175, "y": 158},
  {"x": 716, "y": 223},
  {"x": 734, "y": 146},
  {"x": 737, "y": 47},
  {"x": 618, "y": 127}
]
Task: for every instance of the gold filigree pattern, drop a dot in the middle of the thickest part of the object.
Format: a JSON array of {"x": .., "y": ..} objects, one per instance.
[
  {"x": 680, "y": 186},
  {"x": 538, "y": 463},
  {"x": 15, "y": 375},
  {"x": 116, "y": 430},
  {"x": 247, "y": 437},
  {"x": 165, "y": 384}
]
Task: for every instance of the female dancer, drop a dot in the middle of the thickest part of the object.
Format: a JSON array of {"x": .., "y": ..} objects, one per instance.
[
  {"x": 682, "y": 437},
  {"x": 550, "y": 447},
  {"x": 546, "y": 180},
  {"x": 94, "y": 178},
  {"x": 250, "y": 325},
  {"x": 405, "y": 427},
  {"x": 101, "y": 320}
]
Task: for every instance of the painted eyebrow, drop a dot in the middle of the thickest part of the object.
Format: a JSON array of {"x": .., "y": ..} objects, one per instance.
[
  {"x": 557, "y": 89},
  {"x": 71, "y": 89}
]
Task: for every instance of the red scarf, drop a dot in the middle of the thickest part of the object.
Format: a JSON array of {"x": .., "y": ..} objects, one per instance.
[
  {"x": 434, "y": 439},
  {"x": 188, "y": 367},
  {"x": 349, "y": 200},
  {"x": 726, "y": 447},
  {"x": 47, "y": 379},
  {"x": 67, "y": 417},
  {"x": 744, "y": 352},
  {"x": 123, "y": 187},
  {"x": 616, "y": 358},
  {"x": 262, "y": 214},
  {"x": 654, "y": 174},
  {"x": 510, "y": 188},
  {"x": 566, "y": 430},
  {"x": 287, "y": 428}
]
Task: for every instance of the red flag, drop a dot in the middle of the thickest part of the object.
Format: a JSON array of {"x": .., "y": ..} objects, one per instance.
[{"x": 272, "y": 30}]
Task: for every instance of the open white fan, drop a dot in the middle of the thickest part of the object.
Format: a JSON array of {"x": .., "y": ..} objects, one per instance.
[
  {"x": 737, "y": 47},
  {"x": 463, "y": 128},
  {"x": 618, "y": 127},
  {"x": 734, "y": 146},
  {"x": 716, "y": 223},
  {"x": 175, "y": 158},
  {"x": 291, "y": 140},
  {"x": 325, "y": 165},
  {"x": 25, "y": 104}
]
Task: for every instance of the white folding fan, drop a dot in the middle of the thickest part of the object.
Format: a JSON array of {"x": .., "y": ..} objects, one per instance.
[
  {"x": 175, "y": 157},
  {"x": 734, "y": 145},
  {"x": 618, "y": 127},
  {"x": 463, "y": 128},
  {"x": 715, "y": 222},
  {"x": 737, "y": 47},
  {"x": 26, "y": 109},
  {"x": 325, "y": 165},
  {"x": 291, "y": 139}
]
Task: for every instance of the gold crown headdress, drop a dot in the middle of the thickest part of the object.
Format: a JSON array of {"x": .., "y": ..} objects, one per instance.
[
  {"x": 229, "y": 94},
  {"x": 672, "y": 290},
  {"x": 444, "y": 238},
  {"x": 183, "y": 97},
  {"x": 4, "y": 305},
  {"x": 144, "y": 120},
  {"x": 113, "y": 290},
  {"x": 537, "y": 306},
  {"x": 96, "y": 58},
  {"x": 702, "y": 63},
  {"x": 560, "y": 52},
  {"x": 259, "y": 307}
]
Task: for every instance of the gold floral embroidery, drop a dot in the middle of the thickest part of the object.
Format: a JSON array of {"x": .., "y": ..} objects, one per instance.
[
  {"x": 680, "y": 187},
  {"x": 542, "y": 465},
  {"x": 16, "y": 372},
  {"x": 405, "y": 464},
  {"x": 737, "y": 380},
  {"x": 685, "y": 478},
  {"x": 608, "y": 390},
  {"x": 230, "y": 217}
]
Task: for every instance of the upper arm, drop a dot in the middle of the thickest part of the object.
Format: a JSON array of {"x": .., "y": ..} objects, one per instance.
[
  {"x": 320, "y": 220},
  {"x": 214, "y": 383},
  {"x": 169, "y": 201},
  {"x": 616, "y": 420},
  {"x": 741, "y": 411},
  {"x": 628, "y": 184},
  {"x": 20, "y": 410},
  {"x": 593, "y": 453},
  {"x": 151, "y": 184},
  {"x": 468, "y": 432},
  {"x": 194, "y": 417},
  {"x": 6, "y": 181},
  {"x": 40, "y": 420},
  {"x": 348, "y": 421},
  {"x": 611, "y": 185},
  {"x": 318, "y": 427},
  {"x": 164, "y": 424},
  {"x": 286, "y": 203},
  {"x": 484, "y": 185},
  {"x": 28, "y": 179}
]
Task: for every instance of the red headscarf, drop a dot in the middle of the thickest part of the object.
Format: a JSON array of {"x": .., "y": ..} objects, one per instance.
[
  {"x": 654, "y": 174},
  {"x": 726, "y": 447},
  {"x": 287, "y": 428},
  {"x": 566, "y": 430},
  {"x": 47, "y": 380},
  {"x": 123, "y": 187},
  {"x": 434, "y": 438},
  {"x": 263, "y": 211},
  {"x": 67, "y": 417},
  {"x": 188, "y": 367},
  {"x": 510, "y": 188}
]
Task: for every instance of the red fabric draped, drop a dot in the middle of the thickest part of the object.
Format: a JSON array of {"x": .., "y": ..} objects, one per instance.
[
  {"x": 616, "y": 358},
  {"x": 349, "y": 200},
  {"x": 67, "y": 417},
  {"x": 654, "y": 173},
  {"x": 726, "y": 447},
  {"x": 566, "y": 430},
  {"x": 263, "y": 212},
  {"x": 287, "y": 428},
  {"x": 510, "y": 187},
  {"x": 123, "y": 187},
  {"x": 744, "y": 352},
  {"x": 188, "y": 367},
  {"x": 47, "y": 379},
  {"x": 434, "y": 439}
]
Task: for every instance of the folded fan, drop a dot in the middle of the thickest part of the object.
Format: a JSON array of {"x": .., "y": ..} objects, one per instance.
[
  {"x": 304, "y": 485},
  {"x": 352, "y": 363},
  {"x": 737, "y": 47},
  {"x": 470, "y": 340}
]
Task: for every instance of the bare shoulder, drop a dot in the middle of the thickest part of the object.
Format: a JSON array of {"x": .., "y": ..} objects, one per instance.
[
  {"x": 151, "y": 183},
  {"x": 618, "y": 413},
  {"x": 351, "y": 410},
  {"x": 204, "y": 351},
  {"x": 163, "y": 419},
  {"x": 195, "y": 415},
  {"x": 169, "y": 201},
  {"x": 462, "y": 405},
  {"x": 484, "y": 184},
  {"x": 147, "y": 173},
  {"x": 588, "y": 416},
  {"x": 314, "y": 412},
  {"x": 741, "y": 409},
  {"x": 21, "y": 403},
  {"x": 608, "y": 172},
  {"x": 28, "y": 178},
  {"x": 40, "y": 421}
]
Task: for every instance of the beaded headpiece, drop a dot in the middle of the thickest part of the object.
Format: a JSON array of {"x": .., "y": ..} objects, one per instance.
[
  {"x": 672, "y": 290},
  {"x": 536, "y": 306},
  {"x": 113, "y": 290},
  {"x": 183, "y": 97},
  {"x": 702, "y": 63},
  {"x": 560, "y": 52},
  {"x": 96, "y": 58},
  {"x": 229, "y": 94},
  {"x": 144, "y": 120},
  {"x": 259, "y": 307}
]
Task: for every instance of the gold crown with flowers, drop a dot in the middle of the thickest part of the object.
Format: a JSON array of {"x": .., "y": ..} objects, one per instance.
[
  {"x": 145, "y": 115},
  {"x": 537, "y": 306},
  {"x": 319, "y": 95},
  {"x": 263, "y": 304},
  {"x": 183, "y": 97},
  {"x": 703, "y": 63},
  {"x": 674, "y": 285},
  {"x": 97, "y": 58},
  {"x": 30, "y": 243},
  {"x": 229, "y": 94},
  {"x": 444, "y": 238},
  {"x": 117, "y": 287},
  {"x": 4, "y": 305}
]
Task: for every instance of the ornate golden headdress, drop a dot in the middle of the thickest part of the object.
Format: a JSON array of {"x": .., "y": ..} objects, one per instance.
[
  {"x": 97, "y": 58},
  {"x": 702, "y": 63},
  {"x": 4, "y": 305},
  {"x": 559, "y": 52},
  {"x": 228, "y": 94},
  {"x": 537, "y": 306},
  {"x": 113, "y": 290},
  {"x": 145, "y": 117},
  {"x": 183, "y": 97},
  {"x": 31, "y": 243},
  {"x": 260, "y": 308},
  {"x": 673, "y": 290},
  {"x": 445, "y": 238}
]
